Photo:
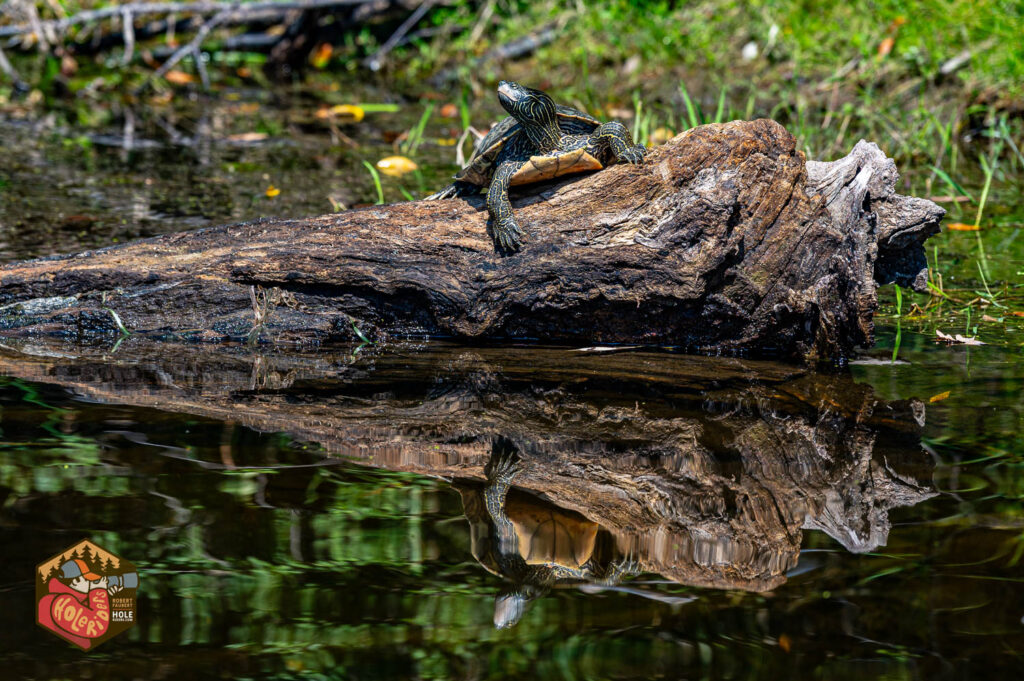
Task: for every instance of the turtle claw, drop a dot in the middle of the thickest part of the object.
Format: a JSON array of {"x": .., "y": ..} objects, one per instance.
[
  {"x": 505, "y": 463},
  {"x": 634, "y": 154},
  {"x": 508, "y": 237}
]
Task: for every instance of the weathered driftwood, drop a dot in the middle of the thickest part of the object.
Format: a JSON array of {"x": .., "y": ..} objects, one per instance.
[
  {"x": 702, "y": 470},
  {"x": 723, "y": 240}
]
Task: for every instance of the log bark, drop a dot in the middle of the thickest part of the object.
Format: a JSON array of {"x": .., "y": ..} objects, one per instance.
[
  {"x": 723, "y": 240},
  {"x": 704, "y": 470}
]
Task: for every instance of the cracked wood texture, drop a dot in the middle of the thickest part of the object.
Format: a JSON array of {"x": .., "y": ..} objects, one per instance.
[{"x": 723, "y": 240}]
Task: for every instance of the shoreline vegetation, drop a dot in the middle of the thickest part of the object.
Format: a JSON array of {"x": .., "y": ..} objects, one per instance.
[{"x": 938, "y": 85}]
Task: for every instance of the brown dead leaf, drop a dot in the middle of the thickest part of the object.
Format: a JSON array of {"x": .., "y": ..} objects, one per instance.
[
  {"x": 176, "y": 77},
  {"x": 957, "y": 339},
  {"x": 449, "y": 111},
  {"x": 885, "y": 47},
  {"x": 248, "y": 137},
  {"x": 68, "y": 65},
  {"x": 785, "y": 643}
]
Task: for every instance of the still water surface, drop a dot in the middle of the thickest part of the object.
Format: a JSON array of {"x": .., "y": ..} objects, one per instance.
[{"x": 325, "y": 515}]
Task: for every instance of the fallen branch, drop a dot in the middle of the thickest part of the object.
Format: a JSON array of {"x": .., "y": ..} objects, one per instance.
[
  {"x": 236, "y": 11},
  {"x": 721, "y": 241}
]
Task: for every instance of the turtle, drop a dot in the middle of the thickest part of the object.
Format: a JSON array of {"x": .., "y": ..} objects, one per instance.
[
  {"x": 535, "y": 544},
  {"x": 538, "y": 141}
]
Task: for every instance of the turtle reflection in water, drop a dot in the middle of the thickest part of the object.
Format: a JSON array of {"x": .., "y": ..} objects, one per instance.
[{"x": 534, "y": 544}]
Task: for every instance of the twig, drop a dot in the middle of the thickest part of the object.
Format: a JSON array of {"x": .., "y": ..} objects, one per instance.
[
  {"x": 204, "y": 77},
  {"x": 6, "y": 67},
  {"x": 29, "y": 8},
  {"x": 482, "y": 22},
  {"x": 128, "y": 28},
  {"x": 191, "y": 48},
  {"x": 375, "y": 62},
  {"x": 236, "y": 10}
]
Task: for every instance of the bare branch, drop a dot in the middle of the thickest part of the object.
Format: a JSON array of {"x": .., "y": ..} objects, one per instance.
[
  {"x": 191, "y": 48},
  {"x": 375, "y": 62},
  {"x": 6, "y": 67},
  {"x": 236, "y": 11},
  {"x": 128, "y": 28}
]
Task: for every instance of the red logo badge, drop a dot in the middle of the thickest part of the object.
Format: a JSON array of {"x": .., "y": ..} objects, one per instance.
[{"x": 86, "y": 594}]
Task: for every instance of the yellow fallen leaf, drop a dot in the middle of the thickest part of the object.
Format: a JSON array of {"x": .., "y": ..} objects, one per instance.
[
  {"x": 179, "y": 77},
  {"x": 396, "y": 166},
  {"x": 446, "y": 141},
  {"x": 939, "y": 397},
  {"x": 351, "y": 112},
  {"x": 661, "y": 135},
  {"x": 272, "y": 191},
  {"x": 961, "y": 227}
]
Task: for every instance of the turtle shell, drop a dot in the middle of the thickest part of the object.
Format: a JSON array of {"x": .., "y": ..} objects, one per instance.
[
  {"x": 571, "y": 122},
  {"x": 549, "y": 535}
]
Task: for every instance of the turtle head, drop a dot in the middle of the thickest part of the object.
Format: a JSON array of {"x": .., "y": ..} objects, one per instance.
[
  {"x": 509, "y": 607},
  {"x": 534, "y": 110}
]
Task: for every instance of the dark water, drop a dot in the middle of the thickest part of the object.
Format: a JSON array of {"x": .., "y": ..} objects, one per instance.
[
  {"x": 335, "y": 514},
  {"x": 778, "y": 523}
]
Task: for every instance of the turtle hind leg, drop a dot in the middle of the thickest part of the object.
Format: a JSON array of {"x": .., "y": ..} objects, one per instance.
[
  {"x": 508, "y": 237},
  {"x": 456, "y": 189},
  {"x": 615, "y": 136},
  {"x": 626, "y": 567}
]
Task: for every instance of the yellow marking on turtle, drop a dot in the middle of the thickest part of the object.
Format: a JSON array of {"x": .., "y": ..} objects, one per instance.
[{"x": 540, "y": 168}]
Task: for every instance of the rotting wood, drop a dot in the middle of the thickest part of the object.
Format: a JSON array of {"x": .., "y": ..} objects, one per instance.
[{"x": 723, "y": 240}]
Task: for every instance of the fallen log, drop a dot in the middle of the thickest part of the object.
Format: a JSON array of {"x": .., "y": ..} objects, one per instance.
[{"x": 723, "y": 240}]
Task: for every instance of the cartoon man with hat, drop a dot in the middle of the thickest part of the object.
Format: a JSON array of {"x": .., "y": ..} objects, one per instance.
[{"x": 77, "y": 606}]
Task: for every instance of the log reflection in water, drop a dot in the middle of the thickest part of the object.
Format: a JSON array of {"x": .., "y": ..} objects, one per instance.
[{"x": 702, "y": 470}]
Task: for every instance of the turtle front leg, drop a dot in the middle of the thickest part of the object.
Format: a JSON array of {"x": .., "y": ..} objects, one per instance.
[
  {"x": 614, "y": 135},
  {"x": 502, "y": 468},
  {"x": 507, "y": 235}
]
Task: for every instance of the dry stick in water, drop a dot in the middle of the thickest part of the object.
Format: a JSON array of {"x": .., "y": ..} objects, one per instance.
[
  {"x": 191, "y": 48},
  {"x": 7, "y": 68},
  {"x": 375, "y": 62},
  {"x": 128, "y": 27}
]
